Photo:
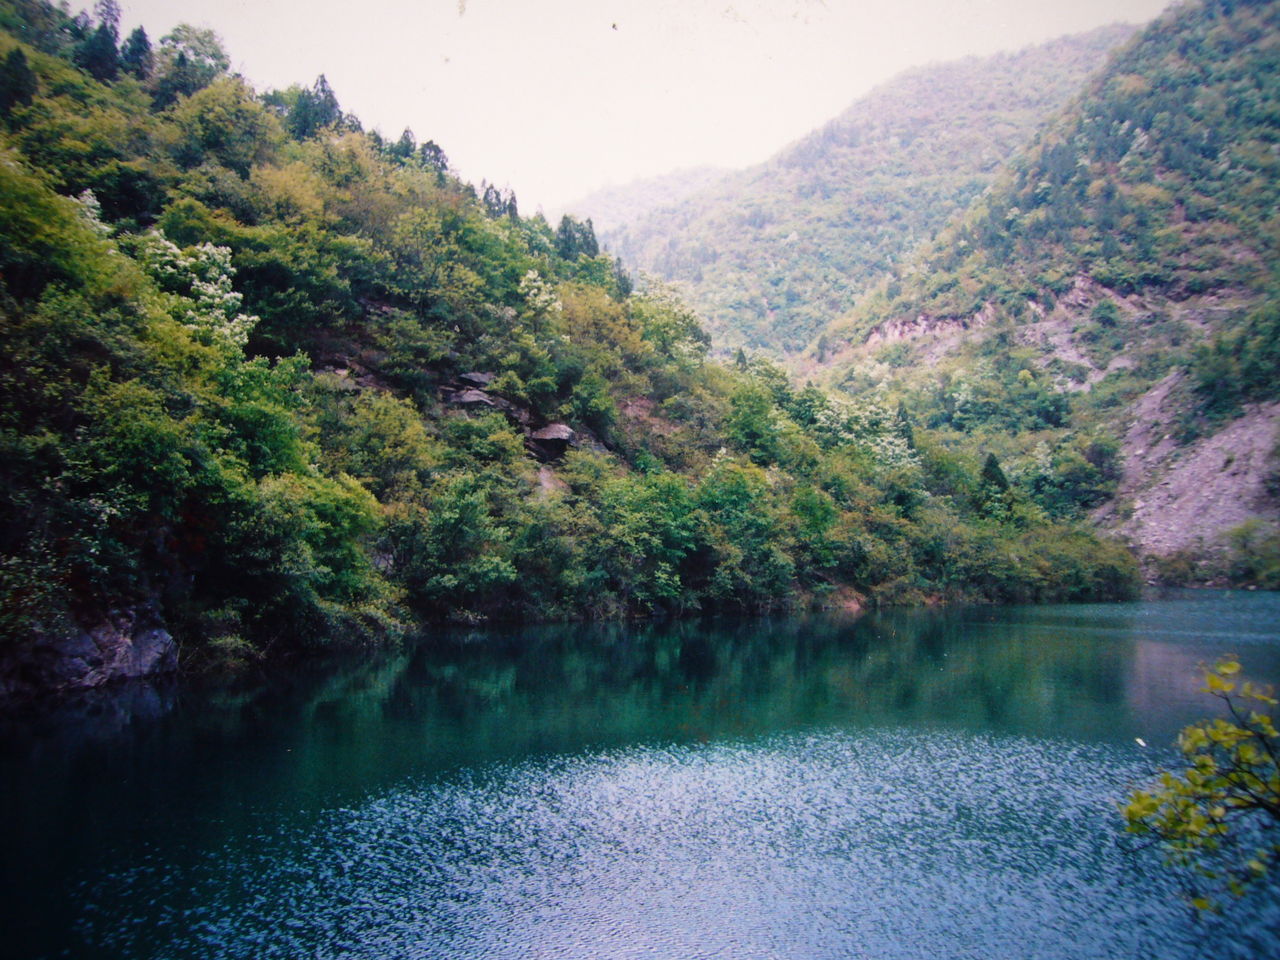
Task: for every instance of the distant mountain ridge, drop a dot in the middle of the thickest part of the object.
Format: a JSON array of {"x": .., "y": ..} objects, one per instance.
[
  {"x": 769, "y": 254},
  {"x": 613, "y": 207}
]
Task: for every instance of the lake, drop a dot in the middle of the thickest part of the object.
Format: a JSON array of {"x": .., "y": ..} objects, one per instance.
[{"x": 910, "y": 784}]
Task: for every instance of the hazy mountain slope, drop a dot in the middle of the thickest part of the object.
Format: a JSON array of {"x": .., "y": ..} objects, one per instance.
[
  {"x": 767, "y": 255},
  {"x": 1124, "y": 269},
  {"x": 611, "y": 208}
]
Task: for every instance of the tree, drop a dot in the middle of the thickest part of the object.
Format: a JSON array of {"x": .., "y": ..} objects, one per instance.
[
  {"x": 108, "y": 14},
  {"x": 1220, "y": 817},
  {"x": 190, "y": 59},
  {"x": 97, "y": 53},
  {"x": 136, "y": 57},
  {"x": 993, "y": 476},
  {"x": 98, "y": 56},
  {"x": 574, "y": 238},
  {"x": 495, "y": 203},
  {"x": 432, "y": 156},
  {"x": 621, "y": 279},
  {"x": 313, "y": 110},
  {"x": 18, "y": 84},
  {"x": 588, "y": 238},
  {"x": 405, "y": 147},
  {"x": 224, "y": 122}
]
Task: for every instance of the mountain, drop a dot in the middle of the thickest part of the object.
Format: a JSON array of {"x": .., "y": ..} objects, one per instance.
[
  {"x": 273, "y": 383},
  {"x": 1117, "y": 283},
  {"x": 611, "y": 208},
  {"x": 769, "y": 254}
]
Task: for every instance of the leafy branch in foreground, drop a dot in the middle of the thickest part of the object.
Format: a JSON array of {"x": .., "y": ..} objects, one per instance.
[{"x": 1219, "y": 818}]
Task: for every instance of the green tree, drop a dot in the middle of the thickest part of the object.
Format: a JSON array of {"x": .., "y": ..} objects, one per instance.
[
  {"x": 314, "y": 110},
  {"x": 18, "y": 84},
  {"x": 753, "y": 423},
  {"x": 433, "y": 157},
  {"x": 1219, "y": 817},
  {"x": 190, "y": 59},
  {"x": 574, "y": 239},
  {"x": 993, "y": 475},
  {"x": 97, "y": 54},
  {"x": 136, "y": 56},
  {"x": 405, "y": 147},
  {"x": 225, "y": 123}
]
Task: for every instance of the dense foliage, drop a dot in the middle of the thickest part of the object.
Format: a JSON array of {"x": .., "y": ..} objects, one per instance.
[
  {"x": 285, "y": 380},
  {"x": 769, "y": 255}
]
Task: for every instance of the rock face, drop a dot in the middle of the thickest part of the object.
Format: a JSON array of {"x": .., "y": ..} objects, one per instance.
[
  {"x": 1179, "y": 498},
  {"x": 122, "y": 645}
]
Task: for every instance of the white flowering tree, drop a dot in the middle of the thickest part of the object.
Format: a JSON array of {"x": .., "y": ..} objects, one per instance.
[
  {"x": 200, "y": 280},
  {"x": 870, "y": 422}
]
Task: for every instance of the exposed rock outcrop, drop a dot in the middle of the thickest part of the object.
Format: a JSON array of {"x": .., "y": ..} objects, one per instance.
[
  {"x": 1174, "y": 497},
  {"x": 551, "y": 442},
  {"x": 123, "y": 644},
  {"x": 478, "y": 378},
  {"x": 936, "y": 328},
  {"x": 472, "y": 398}
]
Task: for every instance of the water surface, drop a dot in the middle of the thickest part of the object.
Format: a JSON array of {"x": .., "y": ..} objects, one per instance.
[{"x": 914, "y": 784}]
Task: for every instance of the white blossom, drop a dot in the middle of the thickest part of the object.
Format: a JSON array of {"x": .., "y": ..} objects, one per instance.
[
  {"x": 539, "y": 296},
  {"x": 203, "y": 278},
  {"x": 91, "y": 213}
]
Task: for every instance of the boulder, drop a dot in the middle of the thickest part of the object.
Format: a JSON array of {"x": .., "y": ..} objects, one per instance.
[
  {"x": 551, "y": 442},
  {"x": 472, "y": 398}
]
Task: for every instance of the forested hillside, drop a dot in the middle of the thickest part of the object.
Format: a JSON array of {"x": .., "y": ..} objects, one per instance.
[
  {"x": 768, "y": 255},
  {"x": 1116, "y": 291},
  {"x": 612, "y": 208},
  {"x": 274, "y": 381}
]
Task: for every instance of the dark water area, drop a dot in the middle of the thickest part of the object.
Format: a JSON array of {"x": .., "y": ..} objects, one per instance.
[{"x": 937, "y": 783}]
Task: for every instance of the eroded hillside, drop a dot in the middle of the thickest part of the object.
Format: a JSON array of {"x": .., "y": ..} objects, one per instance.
[{"x": 1118, "y": 281}]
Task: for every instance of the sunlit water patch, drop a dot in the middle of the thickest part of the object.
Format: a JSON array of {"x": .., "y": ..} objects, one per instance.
[{"x": 883, "y": 843}]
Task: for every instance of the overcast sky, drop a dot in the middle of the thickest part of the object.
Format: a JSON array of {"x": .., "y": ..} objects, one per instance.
[{"x": 555, "y": 98}]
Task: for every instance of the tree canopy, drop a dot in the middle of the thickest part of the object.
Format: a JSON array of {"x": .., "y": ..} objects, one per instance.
[{"x": 287, "y": 382}]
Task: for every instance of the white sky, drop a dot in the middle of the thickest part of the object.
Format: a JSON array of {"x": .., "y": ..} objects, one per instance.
[{"x": 547, "y": 97}]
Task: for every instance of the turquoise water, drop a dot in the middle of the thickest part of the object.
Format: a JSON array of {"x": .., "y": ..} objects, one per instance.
[{"x": 917, "y": 784}]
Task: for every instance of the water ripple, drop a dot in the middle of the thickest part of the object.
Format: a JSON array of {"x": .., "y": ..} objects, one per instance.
[{"x": 890, "y": 844}]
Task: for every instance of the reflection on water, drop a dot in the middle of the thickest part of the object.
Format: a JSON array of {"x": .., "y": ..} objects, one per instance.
[{"x": 927, "y": 783}]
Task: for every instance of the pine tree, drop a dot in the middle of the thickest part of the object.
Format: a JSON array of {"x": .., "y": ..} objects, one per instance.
[
  {"x": 494, "y": 202},
  {"x": 136, "y": 57},
  {"x": 567, "y": 239},
  {"x": 574, "y": 239},
  {"x": 432, "y": 156},
  {"x": 587, "y": 233},
  {"x": 107, "y": 13},
  {"x": 98, "y": 56},
  {"x": 992, "y": 475},
  {"x": 622, "y": 280},
  {"x": 18, "y": 84},
  {"x": 314, "y": 110},
  {"x": 405, "y": 147}
]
